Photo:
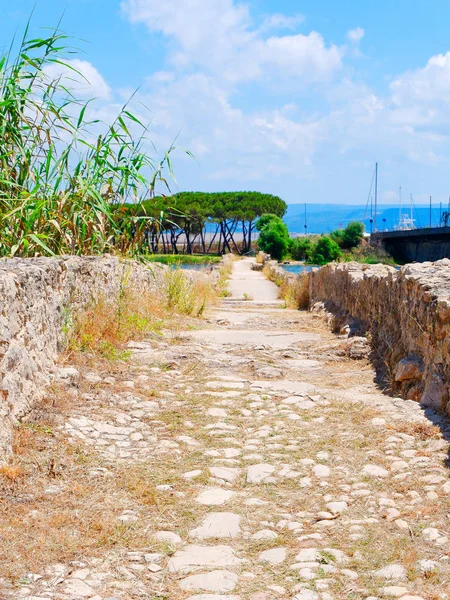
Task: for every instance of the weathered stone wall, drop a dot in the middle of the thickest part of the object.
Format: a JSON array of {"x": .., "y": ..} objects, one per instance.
[
  {"x": 407, "y": 316},
  {"x": 36, "y": 299}
]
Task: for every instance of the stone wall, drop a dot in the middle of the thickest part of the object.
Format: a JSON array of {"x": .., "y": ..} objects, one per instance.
[
  {"x": 36, "y": 299},
  {"x": 406, "y": 314}
]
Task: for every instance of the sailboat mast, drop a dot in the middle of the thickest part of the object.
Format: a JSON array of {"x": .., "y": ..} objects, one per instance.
[
  {"x": 376, "y": 198},
  {"x": 306, "y": 223},
  {"x": 400, "y": 209}
]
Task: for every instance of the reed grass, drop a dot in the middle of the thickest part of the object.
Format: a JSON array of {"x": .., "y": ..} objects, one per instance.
[{"x": 62, "y": 175}]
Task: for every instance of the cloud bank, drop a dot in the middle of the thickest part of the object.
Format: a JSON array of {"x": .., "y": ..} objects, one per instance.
[{"x": 262, "y": 100}]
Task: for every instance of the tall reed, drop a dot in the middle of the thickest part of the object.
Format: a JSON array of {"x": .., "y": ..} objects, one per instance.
[{"x": 63, "y": 176}]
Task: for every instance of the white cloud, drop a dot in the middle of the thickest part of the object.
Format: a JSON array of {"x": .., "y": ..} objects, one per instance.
[
  {"x": 355, "y": 35},
  {"x": 214, "y": 49},
  {"x": 421, "y": 97},
  {"x": 302, "y": 56},
  {"x": 425, "y": 85},
  {"x": 391, "y": 197},
  {"x": 217, "y": 36},
  {"x": 229, "y": 143},
  {"x": 280, "y": 21},
  {"x": 81, "y": 78},
  {"x": 164, "y": 76},
  {"x": 361, "y": 121},
  {"x": 207, "y": 34}
]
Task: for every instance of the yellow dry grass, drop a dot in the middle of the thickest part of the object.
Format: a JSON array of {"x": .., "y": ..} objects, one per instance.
[{"x": 108, "y": 324}]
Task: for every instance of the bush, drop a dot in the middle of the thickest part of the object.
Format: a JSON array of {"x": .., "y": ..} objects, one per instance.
[
  {"x": 104, "y": 327},
  {"x": 188, "y": 295},
  {"x": 337, "y": 236},
  {"x": 274, "y": 239},
  {"x": 350, "y": 237},
  {"x": 326, "y": 250},
  {"x": 353, "y": 234},
  {"x": 301, "y": 248}
]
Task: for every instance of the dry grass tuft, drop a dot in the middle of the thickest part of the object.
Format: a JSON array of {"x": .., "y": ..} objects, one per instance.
[
  {"x": 188, "y": 294},
  {"x": 422, "y": 430},
  {"x": 12, "y": 473},
  {"x": 39, "y": 526},
  {"x": 295, "y": 292},
  {"x": 225, "y": 271},
  {"x": 107, "y": 325}
]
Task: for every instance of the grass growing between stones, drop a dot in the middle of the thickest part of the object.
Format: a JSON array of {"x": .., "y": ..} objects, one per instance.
[
  {"x": 108, "y": 324},
  {"x": 60, "y": 501},
  {"x": 194, "y": 420},
  {"x": 58, "y": 508},
  {"x": 225, "y": 271}
]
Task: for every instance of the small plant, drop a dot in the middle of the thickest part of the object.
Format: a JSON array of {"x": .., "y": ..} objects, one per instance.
[
  {"x": 295, "y": 292},
  {"x": 186, "y": 295},
  {"x": 225, "y": 271},
  {"x": 11, "y": 473},
  {"x": 108, "y": 324}
]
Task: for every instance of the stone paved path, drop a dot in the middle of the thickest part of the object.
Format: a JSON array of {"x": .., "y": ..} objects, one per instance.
[
  {"x": 279, "y": 470},
  {"x": 251, "y": 286}
]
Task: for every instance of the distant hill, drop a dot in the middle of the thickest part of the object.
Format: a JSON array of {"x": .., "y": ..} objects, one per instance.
[{"x": 323, "y": 218}]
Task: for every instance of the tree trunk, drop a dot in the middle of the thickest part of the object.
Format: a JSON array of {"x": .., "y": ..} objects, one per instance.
[
  {"x": 188, "y": 238},
  {"x": 230, "y": 234},
  {"x": 213, "y": 239}
]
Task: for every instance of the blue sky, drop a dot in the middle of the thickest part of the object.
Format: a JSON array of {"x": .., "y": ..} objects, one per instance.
[{"x": 289, "y": 97}]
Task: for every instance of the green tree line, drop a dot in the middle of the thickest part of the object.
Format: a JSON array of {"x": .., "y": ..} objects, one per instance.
[
  {"x": 186, "y": 216},
  {"x": 73, "y": 185},
  {"x": 275, "y": 240}
]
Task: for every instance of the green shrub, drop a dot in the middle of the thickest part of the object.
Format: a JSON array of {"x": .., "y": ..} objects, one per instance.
[
  {"x": 353, "y": 234},
  {"x": 326, "y": 250},
  {"x": 301, "y": 248},
  {"x": 337, "y": 236},
  {"x": 350, "y": 237},
  {"x": 274, "y": 239}
]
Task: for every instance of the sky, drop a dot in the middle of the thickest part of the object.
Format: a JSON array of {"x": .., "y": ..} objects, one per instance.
[{"x": 294, "y": 98}]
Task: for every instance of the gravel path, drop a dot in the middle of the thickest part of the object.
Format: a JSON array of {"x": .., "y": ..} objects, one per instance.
[{"x": 280, "y": 471}]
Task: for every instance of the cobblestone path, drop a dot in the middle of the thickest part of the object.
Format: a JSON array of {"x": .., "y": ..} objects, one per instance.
[{"x": 276, "y": 469}]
